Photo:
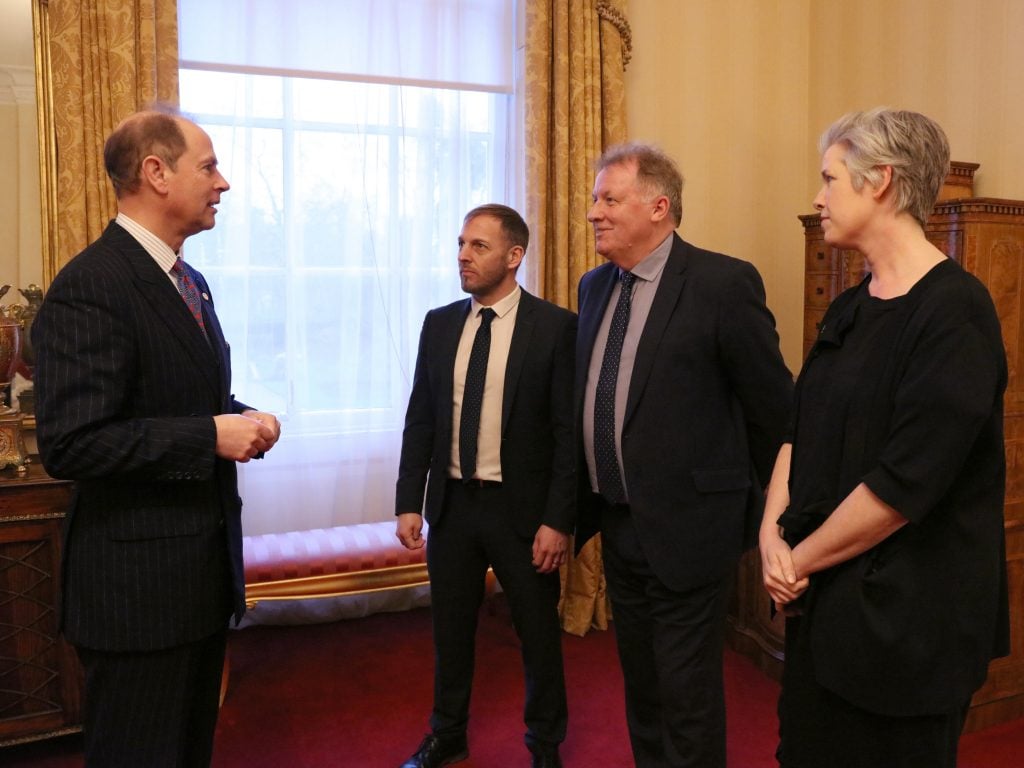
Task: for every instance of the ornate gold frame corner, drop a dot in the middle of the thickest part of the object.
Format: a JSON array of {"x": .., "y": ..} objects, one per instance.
[{"x": 47, "y": 138}]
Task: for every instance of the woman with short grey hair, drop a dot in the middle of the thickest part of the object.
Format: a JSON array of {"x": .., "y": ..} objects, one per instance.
[{"x": 883, "y": 538}]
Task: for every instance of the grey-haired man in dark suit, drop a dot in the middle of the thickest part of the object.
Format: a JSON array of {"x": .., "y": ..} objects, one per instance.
[{"x": 682, "y": 397}]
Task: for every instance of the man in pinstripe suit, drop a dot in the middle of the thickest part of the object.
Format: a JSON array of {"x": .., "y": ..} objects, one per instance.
[{"x": 134, "y": 405}]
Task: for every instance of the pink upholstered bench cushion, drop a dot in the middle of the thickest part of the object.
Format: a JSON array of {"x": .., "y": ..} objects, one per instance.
[
  {"x": 330, "y": 561},
  {"x": 345, "y": 548}
]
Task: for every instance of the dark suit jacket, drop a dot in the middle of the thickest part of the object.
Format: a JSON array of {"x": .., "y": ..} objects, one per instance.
[
  {"x": 707, "y": 408},
  {"x": 538, "y": 448},
  {"x": 126, "y": 388}
]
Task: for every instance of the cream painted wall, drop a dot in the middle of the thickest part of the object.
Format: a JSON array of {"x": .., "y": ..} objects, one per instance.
[
  {"x": 722, "y": 86},
  {"x": 961, "y": 63},
  {"x": 739, "y": 90}
]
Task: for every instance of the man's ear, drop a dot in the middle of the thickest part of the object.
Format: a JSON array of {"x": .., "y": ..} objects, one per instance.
[
  {"x": 154, "y": 173},
  {"x": 515, "y": 256},
  {"x": 661, "y": 208}
]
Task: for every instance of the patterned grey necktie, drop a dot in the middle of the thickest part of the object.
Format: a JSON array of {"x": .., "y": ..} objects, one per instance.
[
  {"x": 609, "y": 475},
  {"x": 189, "y": 292}
]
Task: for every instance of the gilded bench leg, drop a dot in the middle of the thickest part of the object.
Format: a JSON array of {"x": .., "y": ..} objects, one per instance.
[{"x": 224, "y": 675}]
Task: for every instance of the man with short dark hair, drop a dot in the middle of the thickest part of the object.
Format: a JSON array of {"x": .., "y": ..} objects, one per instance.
[
  {"x": 489, "y": 442},
  {"x": 133, "y": 403}
]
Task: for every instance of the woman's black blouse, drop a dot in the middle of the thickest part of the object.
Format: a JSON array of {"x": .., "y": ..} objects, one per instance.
[
  {"x": 895, "y": 394},
  {"x": 905, "y": 396}
]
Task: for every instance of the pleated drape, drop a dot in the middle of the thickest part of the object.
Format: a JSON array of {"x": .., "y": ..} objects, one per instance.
[
  {"x": 575, "y": 56},
  {"x": 108, "y": 58}
]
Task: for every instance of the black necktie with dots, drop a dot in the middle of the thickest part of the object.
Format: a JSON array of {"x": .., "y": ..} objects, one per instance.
[{"x": 606, "y": 462}]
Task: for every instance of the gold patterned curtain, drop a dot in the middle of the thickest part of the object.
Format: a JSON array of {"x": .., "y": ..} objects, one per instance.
[
  {"x": 108, "y": 58},
  {"x": 576, "y": 52}
]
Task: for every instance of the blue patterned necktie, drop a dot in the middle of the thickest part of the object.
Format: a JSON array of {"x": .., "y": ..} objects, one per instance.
[
  {"x": 473, "y": 394},
  {"x": 606, "y": 462},
  {"x": 189, "y": 292}
]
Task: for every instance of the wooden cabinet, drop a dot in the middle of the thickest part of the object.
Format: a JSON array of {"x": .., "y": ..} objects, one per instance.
[
  {"x": 986, "y": 236},
  {"x": 40, "y": 680}
]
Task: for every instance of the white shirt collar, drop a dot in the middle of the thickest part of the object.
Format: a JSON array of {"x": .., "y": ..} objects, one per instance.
[
  {"x": 155, "y": 247},
  {"x": 501, "y": 307}
]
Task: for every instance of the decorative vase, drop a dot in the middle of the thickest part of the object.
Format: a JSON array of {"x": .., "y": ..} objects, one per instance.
[
  {"x": 12, "y": 444},
  {"x": 10, "y": 355},
  {"x": 34, "y": 296}
]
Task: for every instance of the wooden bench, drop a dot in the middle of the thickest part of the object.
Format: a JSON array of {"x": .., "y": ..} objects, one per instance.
[{"x": 329, "y": 562}]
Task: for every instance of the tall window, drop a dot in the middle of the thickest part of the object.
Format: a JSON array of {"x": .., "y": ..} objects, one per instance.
[{"x": 355, "y": 135}]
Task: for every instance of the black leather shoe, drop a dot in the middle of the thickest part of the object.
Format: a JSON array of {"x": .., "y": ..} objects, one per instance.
[
  {"x": 436, "y": 751},
  {"x": 547, "y": 760}
]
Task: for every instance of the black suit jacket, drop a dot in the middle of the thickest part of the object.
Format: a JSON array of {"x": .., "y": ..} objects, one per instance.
[
  {"x": 538, "y": 446},
  {"x": 126, "y": 388},
  {"x": 707, "y": 407}
]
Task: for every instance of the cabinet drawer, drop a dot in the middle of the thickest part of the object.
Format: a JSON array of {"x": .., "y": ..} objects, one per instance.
[
  {"x": 819, "y": 256},
  {"x": 820, "y": 289}
]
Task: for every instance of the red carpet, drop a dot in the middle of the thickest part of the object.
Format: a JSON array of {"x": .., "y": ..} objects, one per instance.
[{"x": 356, "y": 694}]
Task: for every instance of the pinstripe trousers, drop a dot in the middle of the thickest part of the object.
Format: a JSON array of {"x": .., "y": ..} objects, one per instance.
[{"x": 156, "y": 709}]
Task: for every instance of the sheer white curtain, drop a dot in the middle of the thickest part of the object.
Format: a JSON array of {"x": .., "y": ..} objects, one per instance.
[{"x": 355, "y": 135}]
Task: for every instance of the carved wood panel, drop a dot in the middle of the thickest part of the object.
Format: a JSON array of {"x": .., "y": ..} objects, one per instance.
[{"x": 40, "y": 680}]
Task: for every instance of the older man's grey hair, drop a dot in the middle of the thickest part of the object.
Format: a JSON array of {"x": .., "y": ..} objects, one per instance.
[{"x": 656, "y": 172}]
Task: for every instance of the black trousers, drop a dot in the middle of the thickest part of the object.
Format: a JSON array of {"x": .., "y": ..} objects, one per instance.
[
  {"x": 475, "y": 531},
  {"x": 818, "y": 728},
  {"x": 156, "y": 709},
  {"x": 670, "y": 647}
]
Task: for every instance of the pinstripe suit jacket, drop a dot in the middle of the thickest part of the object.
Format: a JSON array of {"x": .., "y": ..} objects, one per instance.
[{"x": 126, "y": 389}]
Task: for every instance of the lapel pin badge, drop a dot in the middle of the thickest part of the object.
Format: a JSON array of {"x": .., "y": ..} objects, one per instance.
[{"x": 206, "y": 296}]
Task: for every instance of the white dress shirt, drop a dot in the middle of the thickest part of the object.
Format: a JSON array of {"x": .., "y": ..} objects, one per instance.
[{"x": 488, "y": 462}]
